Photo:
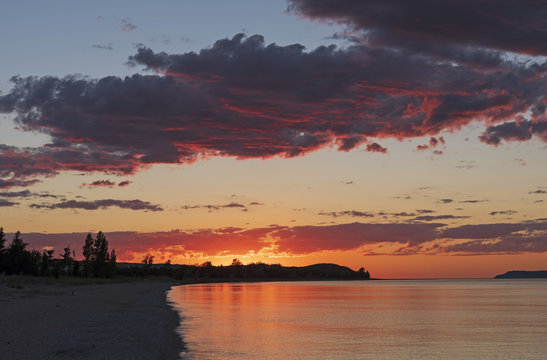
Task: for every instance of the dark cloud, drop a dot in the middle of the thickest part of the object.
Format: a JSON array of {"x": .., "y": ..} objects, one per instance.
[
  {"x": 353, "y": 213},
  {"x": 255, "y": 203},
  {"x": 124, "y": 183},
  {"x": 12, "y": 194},
  {"x": 439, "y": 27},
  {"x": 501, "y": 238},
  {"x": 307, "y": 239},
  {"x": 103, "y": 47},
  {"x": 9, "y": 183},
  {"x": 424, "y": 211},
  {"x": 473, "y": 201},
  {"x": 538, "y": 191},
  {"x": 493, "y": 231},
  {"x": 446, "y": 201},
  {"x": 6, "y": 203},
  {"x": 101, "y": 204},
  {"x": 210, "y": 207},
  {"x": 438, "y": 217},
  {"x": 375, "y": 147},
  {"x": 398, "y": 214},
  {"x": 26, "y": 194},
  {"x": 504, "y": 212},
  {"x": 515, "y": 131},
  {"x": 100, "y": 183},
  {"x": 421, "y": 69}
]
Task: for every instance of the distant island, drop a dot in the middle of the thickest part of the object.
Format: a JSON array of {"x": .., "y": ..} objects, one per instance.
[{"x": 541, "y": 274}]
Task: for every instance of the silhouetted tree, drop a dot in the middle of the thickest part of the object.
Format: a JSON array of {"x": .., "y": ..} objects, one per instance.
[
  {"x": 97, "y": 260},
  {"x": 47, "y": 255},
  {"x": 2, "y": 249},
  {"x": 236, "y": 262},
  {"x": 88, "y": 255},
  {"x": 112, "y": 263},
  {"x": 66, "y": 260},
  {"x": 19, "y": 259},
  {"x": 148, "y": 259}
]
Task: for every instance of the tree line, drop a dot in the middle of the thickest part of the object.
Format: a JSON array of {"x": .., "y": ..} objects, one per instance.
[
  {"x": 98, "y": 261},
  {"x": 17, "y": 259},
  {"x": 256, "y": 271}
]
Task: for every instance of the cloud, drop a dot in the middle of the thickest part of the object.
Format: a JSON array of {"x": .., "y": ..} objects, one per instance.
[
  {"x": 100, "y": 204},
  {"x": 412, "y": 238},
  {"x": 12, "y": 194},
  {"x": 130, "y": 245},
  {"x": 353, "y": 213},
  {"x": 307, "y": 239},
  {"x": 492, "y": 231},
  {"x": 245, "y": 98},
  {"x": 466, "y": 164},
  {"x": 438, "y": 217},
  {"x": 7, "y": 203},
  {"x": 100, "y": 183},
  {"x": 515, "y": 131},
  {"x": 103, "y": 47},
  {"x": 210, "y": 207},
  {"x": 446, "y": 201},
  {"x": 473, "y": 201},
  {"x": 124, "y": 183},
  {"x": 427, "y": 26},
  {"x": 26, "y": 194},
  {"x": 127, "y": 25},
  {"x": 504, "y": 212},
  {"x": 501, "y": 238},
  {"x": 9, "y": 183},
  {"x": 538, "y": 191}
]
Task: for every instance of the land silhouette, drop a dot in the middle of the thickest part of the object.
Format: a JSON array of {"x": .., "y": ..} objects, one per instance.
[
  {"x": 99, "y": 262},
  {"x": 519, "y": 274}
]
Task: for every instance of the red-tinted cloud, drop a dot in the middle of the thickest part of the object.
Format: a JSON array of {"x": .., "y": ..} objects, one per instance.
[
  {"x": 434, "y": 26},
  {"x": 245, "y": 98},
  {"x": 412, "y": 238},
  {"x": 100, "y": 183}
]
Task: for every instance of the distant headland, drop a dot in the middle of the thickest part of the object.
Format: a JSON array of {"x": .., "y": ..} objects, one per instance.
[{"x": 541, "y": 274}]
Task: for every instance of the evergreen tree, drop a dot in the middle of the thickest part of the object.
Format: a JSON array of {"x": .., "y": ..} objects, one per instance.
[
  {"x": 18, "y": 257},
  {"x": 88, "y": 255},
  {"x": 100, "y": 255},
  {"x": 2, "y": 250},
  {"x": 2, "y": 240},
  {"x": 66, "y": 260},
  {"x": 47, "y": 255}
]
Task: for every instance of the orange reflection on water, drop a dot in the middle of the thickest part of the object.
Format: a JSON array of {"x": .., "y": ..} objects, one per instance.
[{"x": 364, "y": 320}]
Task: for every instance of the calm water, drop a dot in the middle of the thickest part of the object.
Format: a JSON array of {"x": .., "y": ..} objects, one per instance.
[{"x": 428, "y": 319}]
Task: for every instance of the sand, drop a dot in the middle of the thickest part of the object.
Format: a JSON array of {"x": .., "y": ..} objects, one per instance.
[{"x": 108, "y": 321}]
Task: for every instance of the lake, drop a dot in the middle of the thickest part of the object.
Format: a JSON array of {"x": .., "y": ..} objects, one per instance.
[{"x": 384, "y": 319}]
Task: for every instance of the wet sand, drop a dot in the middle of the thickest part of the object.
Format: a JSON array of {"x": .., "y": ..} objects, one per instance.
[{"x": 111, "y": 321}]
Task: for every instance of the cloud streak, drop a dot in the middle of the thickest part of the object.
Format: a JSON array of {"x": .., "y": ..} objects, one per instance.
[{"x": 100, "y": 204}]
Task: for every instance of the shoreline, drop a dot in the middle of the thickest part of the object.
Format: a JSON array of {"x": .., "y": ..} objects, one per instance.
[{"x": 121, "y": 320}]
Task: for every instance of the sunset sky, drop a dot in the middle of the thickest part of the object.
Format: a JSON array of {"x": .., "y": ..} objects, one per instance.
[{"x": 408, "y": 137}]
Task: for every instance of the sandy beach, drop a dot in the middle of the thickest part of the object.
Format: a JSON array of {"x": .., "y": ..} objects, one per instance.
[{"x": 108, "y": 321}]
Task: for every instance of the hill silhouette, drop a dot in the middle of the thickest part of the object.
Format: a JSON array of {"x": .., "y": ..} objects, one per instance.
[{"x": 519, "y": 274}]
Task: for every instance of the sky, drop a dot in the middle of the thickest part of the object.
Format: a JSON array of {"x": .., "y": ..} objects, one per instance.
[{"x": 405, "y": 137}]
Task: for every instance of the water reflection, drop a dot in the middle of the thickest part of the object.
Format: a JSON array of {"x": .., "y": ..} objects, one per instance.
[{"x": 468, "y": 319}]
